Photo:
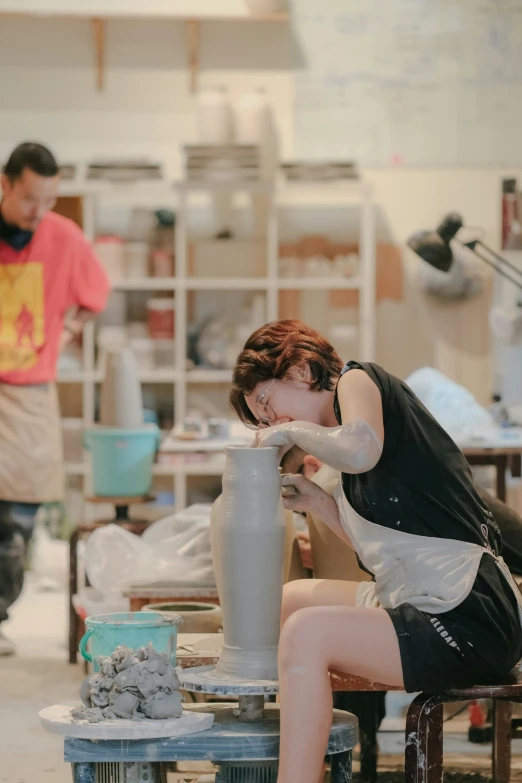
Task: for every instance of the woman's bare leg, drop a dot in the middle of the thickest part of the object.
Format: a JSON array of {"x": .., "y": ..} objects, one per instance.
[
  {"x": 314, "y": 640},
  {"x": 316, "y": 592}
]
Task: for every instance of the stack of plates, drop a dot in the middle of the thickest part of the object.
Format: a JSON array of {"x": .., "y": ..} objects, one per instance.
[
  {"x": 223, "y": 162},
  {"x": 327, "y": 171},
  {"x": 124, "y": 170}
]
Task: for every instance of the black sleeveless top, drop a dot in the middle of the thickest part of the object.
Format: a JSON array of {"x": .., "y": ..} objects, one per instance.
[{"x": 422, "y": 484}]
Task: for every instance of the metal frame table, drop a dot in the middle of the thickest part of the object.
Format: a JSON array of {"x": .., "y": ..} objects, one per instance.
[{"x": 235, "y": 743}]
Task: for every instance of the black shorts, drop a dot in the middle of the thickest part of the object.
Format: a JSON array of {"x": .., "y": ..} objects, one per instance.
[{"x": 478, "y": 643}]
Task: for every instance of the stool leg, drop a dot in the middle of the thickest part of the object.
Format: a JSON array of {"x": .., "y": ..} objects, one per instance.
[
  {"x": 341, "y": 767},
  {"x": 73, "y": 588},
  {"x": 501, "y": 751},
  {"x": 84, "y": 772},
  {"x": 368, "y": 741},
  {"x": 423, "y": 756}
]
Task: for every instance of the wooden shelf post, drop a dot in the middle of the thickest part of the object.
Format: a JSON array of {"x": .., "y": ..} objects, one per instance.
[
  {"x": 193, "y": 28},
  {"x": 98, "y": 29}
]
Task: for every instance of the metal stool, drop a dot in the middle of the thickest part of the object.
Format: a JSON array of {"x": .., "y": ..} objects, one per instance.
[{"x": 424, "y": 753}]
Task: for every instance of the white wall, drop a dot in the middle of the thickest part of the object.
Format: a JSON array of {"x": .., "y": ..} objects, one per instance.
[{"x": 47, "y": 92}]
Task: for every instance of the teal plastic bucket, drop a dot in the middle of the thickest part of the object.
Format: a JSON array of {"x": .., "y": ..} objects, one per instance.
[
  {"x": 105, "y": 632},
  {"x": 122, "y": 459}
]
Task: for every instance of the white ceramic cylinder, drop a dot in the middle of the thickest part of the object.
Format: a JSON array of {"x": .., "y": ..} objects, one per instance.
[
  {"x": 214, "y": 116},
  {"x": 251, "y": 118},
  {"x": 121, "y": 402},
  {"x": 250, "y": 540}
]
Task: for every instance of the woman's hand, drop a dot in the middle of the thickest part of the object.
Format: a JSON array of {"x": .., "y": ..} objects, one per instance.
[
  {"x": 279, "y": 435},
  {"x": 301, "y": 494}
]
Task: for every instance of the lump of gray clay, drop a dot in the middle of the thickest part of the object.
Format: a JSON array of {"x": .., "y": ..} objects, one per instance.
[
  {"x": 124, "y": 705},
  {"x": 162, "y": 705},
  {"x": 131, "y": 684}
]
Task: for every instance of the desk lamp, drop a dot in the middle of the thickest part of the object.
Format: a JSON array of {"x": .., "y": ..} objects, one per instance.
[{"x": 434, "y": 248}]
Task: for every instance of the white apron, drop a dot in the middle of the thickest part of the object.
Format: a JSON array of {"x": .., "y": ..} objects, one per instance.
[
  {"x": 31, "y": 454},
  {"x": 433, "y": 574}
]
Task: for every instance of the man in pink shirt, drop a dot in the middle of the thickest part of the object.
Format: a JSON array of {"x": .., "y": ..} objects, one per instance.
[{"x": 50, "y": 285}]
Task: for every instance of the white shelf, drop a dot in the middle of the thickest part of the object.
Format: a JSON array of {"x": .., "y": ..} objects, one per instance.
[
  {"x": 154, "y": 9},
  {"x": 166, "y": 375},
  {"x": 318, "y": 283},
  {"x": 204, "y": 375},
  {"x": 225, "y": 186},
  {"x": 146, "y": 284},
  {"x": 269, "y": 283},
  {"x": 224, "y": 283},
  {"x": 213, "y": 468},
  {"x": 159, "y": 376}
]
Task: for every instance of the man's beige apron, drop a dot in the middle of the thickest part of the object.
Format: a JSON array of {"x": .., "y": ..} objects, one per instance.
[{"x": 31, "y": 457}]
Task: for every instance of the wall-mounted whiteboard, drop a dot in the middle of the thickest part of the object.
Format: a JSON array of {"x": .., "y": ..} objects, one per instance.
[{"x": 411, "y": 82}]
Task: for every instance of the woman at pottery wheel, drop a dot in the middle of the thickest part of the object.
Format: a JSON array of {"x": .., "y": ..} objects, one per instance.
[{"x": 442, "y": 610}]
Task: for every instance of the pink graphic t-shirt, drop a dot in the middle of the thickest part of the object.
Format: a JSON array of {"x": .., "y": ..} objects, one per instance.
[{"x": 56, "y": 271}]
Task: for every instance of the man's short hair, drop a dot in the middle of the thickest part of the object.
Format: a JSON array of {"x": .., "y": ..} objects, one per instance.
[{"x": 33, "y": 156}]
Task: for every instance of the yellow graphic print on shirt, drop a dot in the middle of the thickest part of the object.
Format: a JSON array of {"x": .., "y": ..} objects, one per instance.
[{"x": 21, "y": 315}]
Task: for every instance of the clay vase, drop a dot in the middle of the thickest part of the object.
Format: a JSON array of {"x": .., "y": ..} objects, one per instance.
[
  {"x": 121, "y": 401},
  {"x": 249, "y": 546}
]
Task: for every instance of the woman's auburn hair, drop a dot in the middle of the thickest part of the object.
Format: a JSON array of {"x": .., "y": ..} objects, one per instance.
[{"x": 274, "y": 351}]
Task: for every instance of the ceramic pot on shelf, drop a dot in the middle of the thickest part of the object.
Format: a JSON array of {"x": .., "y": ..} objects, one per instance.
[
  {"x": 214, "y": 116},
  {"x": 248, "y": 538}
]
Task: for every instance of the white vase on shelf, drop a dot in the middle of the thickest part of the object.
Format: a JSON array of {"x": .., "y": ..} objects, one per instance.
[
  {"x": 214, "y": 116},
  {"x": 262, "y": 7},
  {"x": 252, "y": 118}
]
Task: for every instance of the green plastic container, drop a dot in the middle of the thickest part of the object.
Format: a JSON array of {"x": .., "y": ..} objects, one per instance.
[
  {"x": 122, "y": 459},
  {"x": 105, "y": 632}
]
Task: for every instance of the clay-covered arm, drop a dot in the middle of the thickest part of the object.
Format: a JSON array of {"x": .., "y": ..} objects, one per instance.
[{"x": 350, "y": 448}]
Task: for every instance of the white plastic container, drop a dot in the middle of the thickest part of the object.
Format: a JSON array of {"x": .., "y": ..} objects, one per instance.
[
  {"x": 163, "y": 354},
  {"x": 110, "y": 250},
  {"x": 143, "y": 350},
  {"x": 136, "y": 259},
  {"x": 214, "y": 116},
  {"x": 251, "y": 118}
]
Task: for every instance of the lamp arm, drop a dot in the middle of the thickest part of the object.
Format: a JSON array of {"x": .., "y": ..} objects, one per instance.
[
  {"x": 500, "y": 258},
  {"x": 473, "y": 247}
]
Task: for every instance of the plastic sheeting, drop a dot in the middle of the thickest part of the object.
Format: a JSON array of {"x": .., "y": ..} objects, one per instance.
[{"x": 173, "y": 550}]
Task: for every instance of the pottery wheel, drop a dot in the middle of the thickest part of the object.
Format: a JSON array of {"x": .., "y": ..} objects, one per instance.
[
  {"x": 206, "y": 679},
  {"x": 58, "y": 720}
]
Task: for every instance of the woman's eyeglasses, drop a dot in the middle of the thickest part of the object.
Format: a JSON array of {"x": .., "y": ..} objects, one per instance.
[{"x": 264, "y": 412}]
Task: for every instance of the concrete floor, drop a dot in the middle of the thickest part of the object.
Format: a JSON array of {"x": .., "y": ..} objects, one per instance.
[
  {"x": 39, "y": 676},
  {"x": 35, "y": 678}
]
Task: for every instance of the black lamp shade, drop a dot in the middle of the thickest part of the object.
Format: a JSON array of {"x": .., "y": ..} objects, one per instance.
[
  {"x": 433, "y": 246},
  {"x": 432, "y": 249}
]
